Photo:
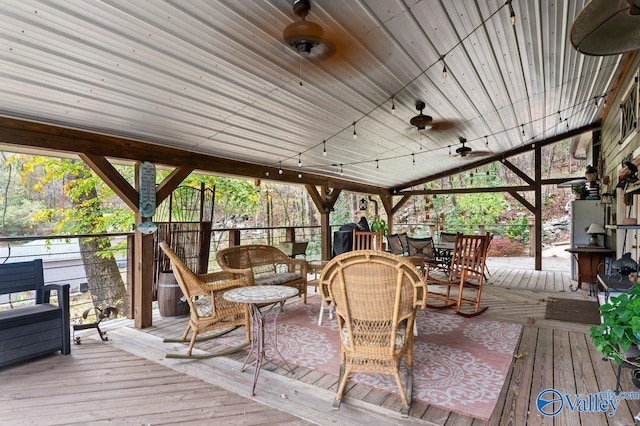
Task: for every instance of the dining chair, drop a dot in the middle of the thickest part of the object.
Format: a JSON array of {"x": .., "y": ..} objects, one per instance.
[
  {"x": 208, "y": 309},
  {"x": 424, "y": 249},
  {"x": 448, "y": 237},
  {"x": 367, "y": 240},
  {"x": 375, "y": 295},
  {"x": 465, "y": 276},
  {"x": 396, "y": 246}
]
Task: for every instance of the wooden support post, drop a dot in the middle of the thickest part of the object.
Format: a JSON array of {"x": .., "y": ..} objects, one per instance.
[
  {"x": 531, "y": 223},
  {"x": 290, "y": 234},
  {"x": 234, "y": 237},
  {"x": 205, "y": 247},
  {"x": 538, "y": 206},
  {"x": 131, "y": 267},
  {"x": 143, "y": 281}
]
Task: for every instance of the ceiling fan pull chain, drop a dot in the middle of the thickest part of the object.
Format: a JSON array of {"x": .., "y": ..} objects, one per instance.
[{"x": 300, "y": 62}]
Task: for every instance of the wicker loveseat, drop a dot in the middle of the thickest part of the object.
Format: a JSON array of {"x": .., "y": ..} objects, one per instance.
[{"x": 269, "y": 266}]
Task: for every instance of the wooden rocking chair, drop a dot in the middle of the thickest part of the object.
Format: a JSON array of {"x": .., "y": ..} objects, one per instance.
[
  {"x": 375, "y": 295},
  {"x": 209, "y": 310},
  {"x": 466, "y": 274},
  {"x": 367, "y": 240}
]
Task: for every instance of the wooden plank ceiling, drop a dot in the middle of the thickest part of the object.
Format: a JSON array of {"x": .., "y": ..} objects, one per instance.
[{"x": 216, "y": 78}]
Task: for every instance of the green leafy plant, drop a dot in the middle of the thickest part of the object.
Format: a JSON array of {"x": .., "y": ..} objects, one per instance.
[
  {"x": 379, "y": 225},
  {"x": 620, "y": 326},
  {"x": 581, "y": 191}
]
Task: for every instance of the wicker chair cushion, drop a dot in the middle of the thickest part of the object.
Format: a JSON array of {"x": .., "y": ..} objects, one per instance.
[
  {"x": 277, "y": 279},
  {"x": 203, "y": 306}
]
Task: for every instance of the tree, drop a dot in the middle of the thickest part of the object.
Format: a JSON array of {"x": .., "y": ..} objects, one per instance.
[{"x": 93, "y": 208}]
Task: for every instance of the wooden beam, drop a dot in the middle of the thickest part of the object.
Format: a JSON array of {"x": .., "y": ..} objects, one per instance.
[
  {"x": 466, "y": 190},
  {"x": 315, "y": 197},
  {"x": 60, "y": 139},
  {"x": 103, "y": 168},
  {"x": 171, "y": 182},
  {"x": 522, "y": 175},
  {"x": 324, "y": 203},
  {"x": 523, "y": 201},
  {"x": 516, "y": 151}
]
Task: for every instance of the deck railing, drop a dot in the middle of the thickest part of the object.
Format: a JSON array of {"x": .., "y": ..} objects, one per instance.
[{"x": 65, "y": 263}]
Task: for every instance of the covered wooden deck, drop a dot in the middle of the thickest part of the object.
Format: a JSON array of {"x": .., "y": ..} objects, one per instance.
[{"x": 128, "y": 381}]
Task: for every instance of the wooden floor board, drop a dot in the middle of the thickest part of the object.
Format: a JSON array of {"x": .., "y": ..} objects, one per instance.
[{"x": 128, "y": 381}]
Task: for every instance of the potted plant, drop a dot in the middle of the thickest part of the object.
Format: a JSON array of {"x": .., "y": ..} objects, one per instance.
[
  {"x": 379, "y": 225},
  {"x": 619, "y": 328},
  {"x": 581, "y": 191}
]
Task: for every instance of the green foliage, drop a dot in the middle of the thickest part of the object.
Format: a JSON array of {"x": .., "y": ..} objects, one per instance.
[
  {"x": 234, "y": 197},
  {"x": 517, "y": 229},
  {"x": 620, "y": 325},
  {"x": 379, "y": 225},
  {"x": 94, "y": 207},
  {"x": 581, "y": 191},
  {"x": 464, "y": 212}
]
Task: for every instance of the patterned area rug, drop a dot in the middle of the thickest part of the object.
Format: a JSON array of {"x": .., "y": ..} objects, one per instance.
[{"x": 460, "y": 364}]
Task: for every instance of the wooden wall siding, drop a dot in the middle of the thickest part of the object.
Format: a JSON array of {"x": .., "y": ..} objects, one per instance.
[{"x": 614, "y": 154}]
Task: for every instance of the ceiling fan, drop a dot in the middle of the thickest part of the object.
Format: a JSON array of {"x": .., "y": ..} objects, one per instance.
[
  {"x": 466, "y": 151},
  {"x": 423, "y": 121},
  {"x": 607, "y": 27},
  {"x": 305, "y": 37}
]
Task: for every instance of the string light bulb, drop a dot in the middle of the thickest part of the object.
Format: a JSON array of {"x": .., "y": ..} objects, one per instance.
[
  {"x": 299, "y": 159},
  {"x": 280, "y": 167},
  {"x": 299, "y": 175},
  {"x": 486, "y": 141},
  {"x": 413, "y": 159},
  {"x": 355, "y": 135},
  {"x": 393, "y": 106},
  {"x": 341, "y": 171},
  {"x": 512, "y": 14},
  {"x": 449, "y": 146},
  {"x": 266, "y": 173},
  {"x": 522, "y": 127},
  {"x": 324, "y": 148},
  {"x": 377, "y": 165},
  {"x": 444, "y": 70}
]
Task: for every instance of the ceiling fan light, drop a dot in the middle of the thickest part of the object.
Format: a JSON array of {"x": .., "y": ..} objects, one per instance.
[
  {"x": 303, "y": 36},
  {"x": 422, "y": 121},
  {"x": 463, "y": 151}
]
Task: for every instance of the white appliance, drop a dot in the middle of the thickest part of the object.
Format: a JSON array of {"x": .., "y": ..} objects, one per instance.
[{"x": 583, "y": 214}]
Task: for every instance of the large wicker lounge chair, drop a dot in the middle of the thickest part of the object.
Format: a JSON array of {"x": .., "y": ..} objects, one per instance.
[{"x": 375, "y": 295}]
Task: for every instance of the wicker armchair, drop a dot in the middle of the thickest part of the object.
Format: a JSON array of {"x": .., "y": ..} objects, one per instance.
[
  {"x": 209, "y": 310},
  {"x": 375, "y": 295},
  {"x": 466, "y": 276}
]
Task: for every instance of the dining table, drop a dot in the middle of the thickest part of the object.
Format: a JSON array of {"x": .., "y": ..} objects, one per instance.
[{"x": 443, "y": 253}]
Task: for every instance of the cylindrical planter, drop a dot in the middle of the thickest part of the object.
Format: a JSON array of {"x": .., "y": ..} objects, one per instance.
[
  {"x": 169, "y": 295},
  {"x": 635, "y": 377}
]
